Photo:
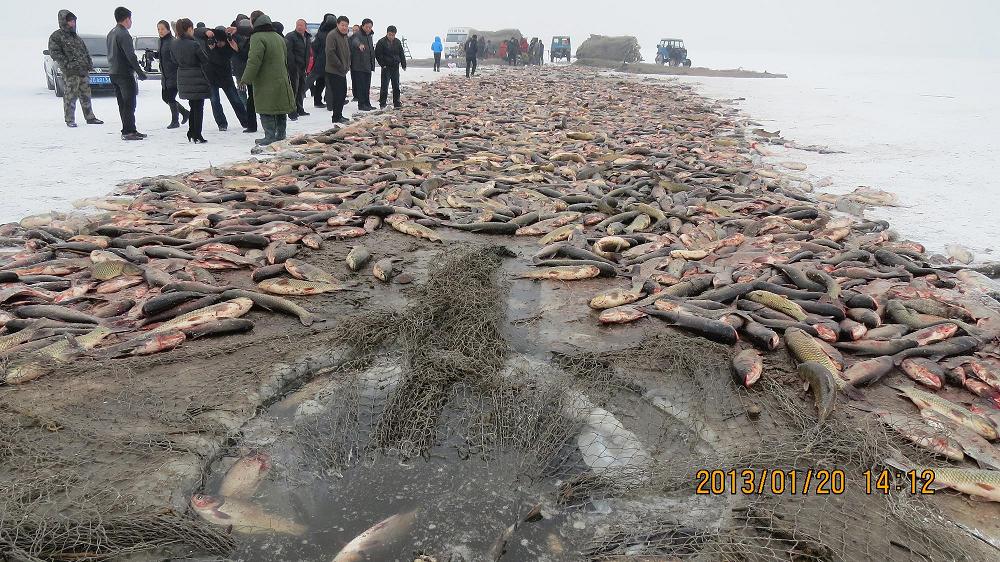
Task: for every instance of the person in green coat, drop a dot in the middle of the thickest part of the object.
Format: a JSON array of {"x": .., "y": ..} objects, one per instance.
[{"x": 267, "y": 72}]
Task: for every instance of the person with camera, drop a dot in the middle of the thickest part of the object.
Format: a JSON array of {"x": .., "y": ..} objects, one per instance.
[{"x": 220, "y": 44}]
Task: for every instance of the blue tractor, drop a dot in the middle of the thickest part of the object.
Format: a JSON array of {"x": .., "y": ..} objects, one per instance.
[{"x": 672, "y": 52}]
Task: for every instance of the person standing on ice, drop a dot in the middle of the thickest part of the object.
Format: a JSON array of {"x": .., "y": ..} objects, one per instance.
[
  {"x": 390, "y": 56},
  {"x": 363, "y": 64},
  {"x": 318, "y": 75},
  {"x": 168, "y": 69},
  {"x": 471, "y": 56},
  {"x": 70, "y": 53},
  {"x": 267, "y": 72},
  {"x": 124, "y": 68},
  {"x": 338, "y": 64},
  {"x": 437, "y": 48},
  {"x": 192, "y": 82},
  {"x": 299, "y": 40},
  {"x": 220, "y": 44}
]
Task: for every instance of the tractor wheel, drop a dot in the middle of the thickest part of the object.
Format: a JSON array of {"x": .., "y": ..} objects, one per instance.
[
  {"x": 687, "y": 63},
  {"x": 60, "y": 87}
]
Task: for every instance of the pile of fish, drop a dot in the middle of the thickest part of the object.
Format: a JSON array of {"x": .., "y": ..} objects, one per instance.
[{"x": 644, "y": 184}]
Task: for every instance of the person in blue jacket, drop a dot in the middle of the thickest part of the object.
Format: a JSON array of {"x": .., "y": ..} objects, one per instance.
[{"x": 437, "y": 47}]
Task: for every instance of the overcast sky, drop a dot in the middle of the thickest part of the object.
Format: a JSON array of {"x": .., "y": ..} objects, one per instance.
[{"x": 875, "y": 27}]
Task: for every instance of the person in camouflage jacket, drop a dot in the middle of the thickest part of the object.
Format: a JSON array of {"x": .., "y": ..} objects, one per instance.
[{"x": 68, "y": 51}]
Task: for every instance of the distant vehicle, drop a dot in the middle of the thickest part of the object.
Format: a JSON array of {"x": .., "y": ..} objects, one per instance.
[
  {"x": 145, "y": 47},
  {"x": 561, "y": 49},
  {"x": 454, "y": 42},
  {"x": 100, "y": 80},
  {"x": 672, "y": 52},
  {"x": 313, "y": 28}
]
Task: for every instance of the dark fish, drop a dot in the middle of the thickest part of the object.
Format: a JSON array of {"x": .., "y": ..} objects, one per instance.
[
  {"x": 268, "y": 272},
  {"x": 799, "y": 278},
  {"x": 876, "y": 347},
  {"x": 55, "y": 312},
  {"x": 797, "y": 294},
  {"x": 947, "y": 348},
  {"x": 275, "y": 303},
  {"x": 851, "y": 330},
  {"x": 193, "y": 286},
  {"x": 692, "y": 286},
  {"x": 184, "y": 308},
  {"x": 220, "y": 328},
  {"x": 725, "y": 294},
  {"x": 239, "y": 240},
  {"x": 867, "y": 372},
  {"x": 858, "y": 300},
  {"x": 820, "y": 380},
  {"x": 166, "y": 301},
  {"x": 747, "y": 367},
  {"x": 822, "y": 308},
  {"x": 868, "y": 317},
  {"x": 715, "y": 330}
]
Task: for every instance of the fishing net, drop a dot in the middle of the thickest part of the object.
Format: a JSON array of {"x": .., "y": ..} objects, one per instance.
[{"x": 617, "y": 49}]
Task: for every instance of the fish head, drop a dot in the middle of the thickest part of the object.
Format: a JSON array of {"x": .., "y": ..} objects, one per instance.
[{"x": 205, "y": 502}]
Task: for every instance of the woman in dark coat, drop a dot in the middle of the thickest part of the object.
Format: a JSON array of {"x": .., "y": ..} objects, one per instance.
[
  {"x": 168, "y": 68},
  {"x": 192, "y": 83}
]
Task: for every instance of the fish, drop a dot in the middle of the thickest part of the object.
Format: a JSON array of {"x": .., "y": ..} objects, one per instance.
[
  {"x": 242, "y": 516},
  {"x": 55, "y": 312},
  {"x": 867, "y": 372},
  {"x": 357, "y": 257},
  {"x": 852, "y": 330},
  {"x": 245, "y": 476},
  {"x": 563, "y": 273},
  {"x": 413, "y": 229},
  {"x": 377, "y": 536},
  {"x": 920, "y": 433},
  {"x": 107, "y": 270},
  {"x": 278, "y": 252},
  {"x": 924, "y": 371},
  {"x": 274, "y": 303},
  {"x": 621, "y": 315},
  {"x": 296, "y": 287},
  {"x": 970, "y": 442},
  {"x": 384, "y": 270},
  {"x": 979, "y": 483},
  {"x": 234, "y": 308},
  {"x": 777, "y": 302},
  {"x": 308, "y": 272},
  {"x": 715, "y": 330},
  {"x": 220, "y": 328},
  {"x": 616, "y": 297},
  {"x": 933, "y": 334},
  {"x": 819, "y": 378},
  {"x": 954, "y": 412},
  {"x": 747, "y": 366},
  {"x": 953, "y": 346},
  {"x": 152, "y": 342},
  {"x": 806, "y": 349},
  {"x": 876, "y": 347}
]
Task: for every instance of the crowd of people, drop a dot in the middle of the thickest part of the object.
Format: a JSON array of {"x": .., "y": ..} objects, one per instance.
[{"x": 258, "y": 68}]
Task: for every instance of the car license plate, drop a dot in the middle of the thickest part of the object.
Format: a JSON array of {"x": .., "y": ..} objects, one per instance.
[{"x": 100, "y": 79}]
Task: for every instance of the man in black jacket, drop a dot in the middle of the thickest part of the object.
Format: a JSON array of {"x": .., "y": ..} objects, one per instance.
[
  {"x": 471, "y": 56},
  {"x": 298, "y": 42},
  {"x": 318, "y": 75},
  {"x": 70, "y": 53},
  {"x": 124, "y": 68},
  {"x": 363, "y": 64},
  {"x": 390, "y": 56}
]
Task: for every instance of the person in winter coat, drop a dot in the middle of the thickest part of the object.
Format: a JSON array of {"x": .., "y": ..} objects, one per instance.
[
  {"x": 513, "y": 49},
  {"x": 192, "y": 82},
  {"x": 124, "y": 68},
  {"x": 437, "y": 48},
  {"x": 502, "y": 50},
  {"x": 299, "y": 41},
  {"x": 363, "y": 64},
  {"x": 318, "y": 75},
  {"x": 221, "y": 46},
  {"x": 267, "y": 72},
  {"x": 239, "y": 63},
  {"x": 338, "y": 63},
  {"x": 70, "y": 53},
  {"x": 168, "y": 70},
  {"x": 471, "y": 56},
  {"x": 523, "y": 47},
  {"x": 390, "y": 56}
]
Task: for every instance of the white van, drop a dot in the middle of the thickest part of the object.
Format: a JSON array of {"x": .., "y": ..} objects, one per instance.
[{"x": 454, "y": 42}]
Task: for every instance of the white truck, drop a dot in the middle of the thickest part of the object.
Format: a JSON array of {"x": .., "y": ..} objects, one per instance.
[{"x": 454, "y": 42}]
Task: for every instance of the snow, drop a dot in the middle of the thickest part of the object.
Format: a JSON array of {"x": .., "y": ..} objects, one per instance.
[{"x": 48, "y": 165}]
